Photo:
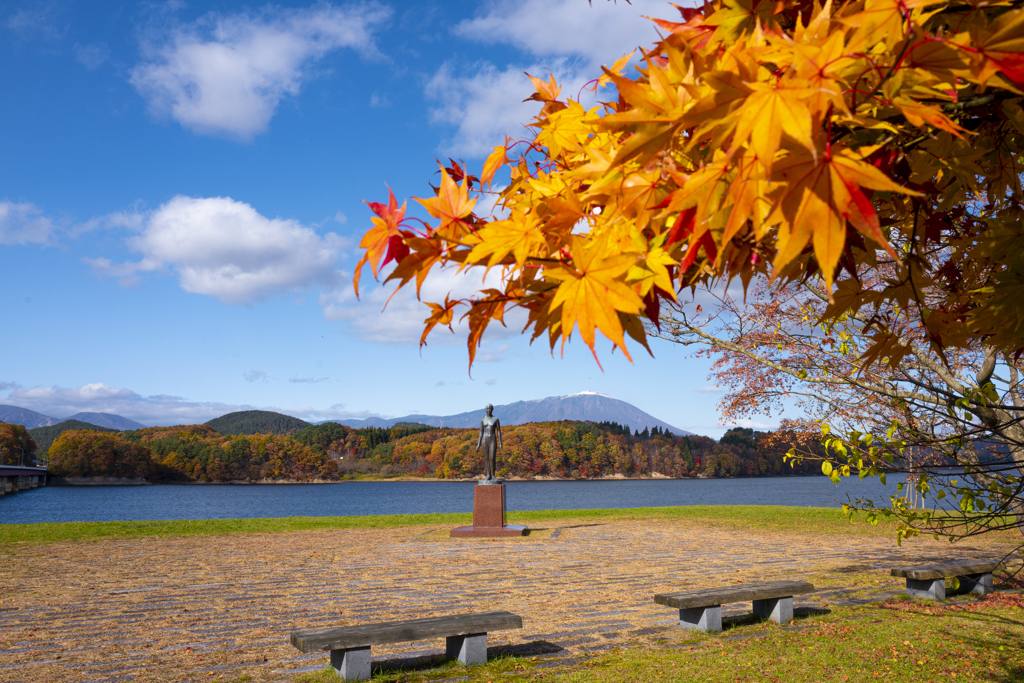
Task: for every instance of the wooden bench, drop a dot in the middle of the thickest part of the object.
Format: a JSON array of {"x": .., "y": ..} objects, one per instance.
[
  {"x": 702, "y": 609},
  {"x": 929, "y": 580},
  {"x": 465, "y": 639}
]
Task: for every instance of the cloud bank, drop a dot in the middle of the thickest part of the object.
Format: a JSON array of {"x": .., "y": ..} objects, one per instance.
[{"x": 149, "y": 410}]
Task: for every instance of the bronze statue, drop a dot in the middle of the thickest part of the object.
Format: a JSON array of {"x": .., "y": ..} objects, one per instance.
[{"x": 490, "y": 439}]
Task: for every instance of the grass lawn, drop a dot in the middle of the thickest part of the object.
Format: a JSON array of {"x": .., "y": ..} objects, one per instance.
[
  {"x": 764, "y": 517},
  {"x": 899, "y": 640}
]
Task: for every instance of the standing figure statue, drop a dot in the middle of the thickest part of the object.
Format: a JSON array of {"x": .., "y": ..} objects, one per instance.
[{"x": 490, "y": 439}]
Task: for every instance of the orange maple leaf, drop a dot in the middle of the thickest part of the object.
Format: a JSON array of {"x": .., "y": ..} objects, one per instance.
[
  {"x": 1002, "y": 44},
  {"x": 385, "y": 235},
  {"x": 820, "y": 197},
  {"x": 496, "y": 159}
]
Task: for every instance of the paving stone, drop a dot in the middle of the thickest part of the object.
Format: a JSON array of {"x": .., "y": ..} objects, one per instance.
[{"x": 580, "y": 594}]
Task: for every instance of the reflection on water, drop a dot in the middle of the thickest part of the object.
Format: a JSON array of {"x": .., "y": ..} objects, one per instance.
[{"x": 226, "y": 501}]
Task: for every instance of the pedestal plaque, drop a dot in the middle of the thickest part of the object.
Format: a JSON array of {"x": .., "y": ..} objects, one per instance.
[{"x": 488, "y": 515}]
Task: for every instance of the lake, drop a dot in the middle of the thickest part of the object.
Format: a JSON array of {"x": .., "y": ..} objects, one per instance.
[{"x": 240, "y": 501}]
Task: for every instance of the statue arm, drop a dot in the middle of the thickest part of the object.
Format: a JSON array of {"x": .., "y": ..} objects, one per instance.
[
  {"x": 497, "y": 430},
  {"x": 480, "y": 439}
]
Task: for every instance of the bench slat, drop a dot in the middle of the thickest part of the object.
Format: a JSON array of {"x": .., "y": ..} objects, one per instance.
[
  {"x": 944, "y": 569},
  {"x": 740, "y": 593},
  {"x": 345, "y": 637}
]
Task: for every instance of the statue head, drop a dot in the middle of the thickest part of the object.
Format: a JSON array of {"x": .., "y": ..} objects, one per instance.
[{"x": 489, "y": 408}]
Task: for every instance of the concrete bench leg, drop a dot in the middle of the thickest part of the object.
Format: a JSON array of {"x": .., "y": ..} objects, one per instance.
[
  {"x": 707, "y": 619},
  {"x": 469, "y": 649},
  {"x": 779, "y": 610},
  {"x": 976, "y": 583},
  {"x": 352, "y": 665},
  {"x": 929, "y": 589}
]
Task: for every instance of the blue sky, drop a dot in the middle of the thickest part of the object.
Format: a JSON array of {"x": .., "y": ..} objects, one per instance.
[{"x": 181, "y": 200}]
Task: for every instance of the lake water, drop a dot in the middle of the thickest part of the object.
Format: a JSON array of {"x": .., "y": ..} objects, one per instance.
[{"x": 234, "y": 501}]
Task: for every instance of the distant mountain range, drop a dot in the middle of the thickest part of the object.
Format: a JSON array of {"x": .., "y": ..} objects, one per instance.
[
  {"x": 584, "y": 406},
  {"x": 31, "y": 419},
  {"x": 107, "y": 420}
]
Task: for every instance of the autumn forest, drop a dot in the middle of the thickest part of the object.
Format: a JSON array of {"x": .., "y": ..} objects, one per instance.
[{"x": 330, "y": 451}]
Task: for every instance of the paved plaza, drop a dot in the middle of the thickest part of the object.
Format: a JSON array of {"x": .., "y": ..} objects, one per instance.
[{"x": 202, "y": 608}]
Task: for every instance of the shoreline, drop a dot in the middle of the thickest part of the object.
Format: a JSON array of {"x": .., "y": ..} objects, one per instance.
[{"x": 406, "y": 478}]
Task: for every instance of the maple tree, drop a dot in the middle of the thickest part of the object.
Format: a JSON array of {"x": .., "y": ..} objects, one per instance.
[
  {"x": 785, "y": 139},
  {"x": 953, "y": 423}
]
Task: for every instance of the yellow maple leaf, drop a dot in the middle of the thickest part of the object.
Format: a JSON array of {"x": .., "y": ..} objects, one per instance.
[
  {"x": 592, "y": 292},
  {"x": 881, "y": 21},
  {"x": 771, "y": 110},
  {"x": 652, "y": 271},
  {"x": 452, "y": 202},
  {"x": 616, "y": 69},
  {"x": 518, "y": 235}
]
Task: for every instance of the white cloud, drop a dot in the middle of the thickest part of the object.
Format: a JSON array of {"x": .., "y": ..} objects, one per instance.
[
  {"x": 569, "y": 38},
  {"x": 24, "y": 224},
  {"x": 39, "y": 20},
  {"x": 711, "y": 390},
  {"x": 254, "y": 376},
  {"x": 307, "y": 380},
  {"x": 132, "y": 220},
  {"x": 226, "y": 75},
  {"x": 402, "y": 320},
  {"x": 488, "y": 103},
  {"x": 92, "y": 56},
  {"x": 126, "y": 274},
  {"x": 599, "y": 32},
  {"x": 226, "y": 249},
  {"x": 149, "y": 410}
]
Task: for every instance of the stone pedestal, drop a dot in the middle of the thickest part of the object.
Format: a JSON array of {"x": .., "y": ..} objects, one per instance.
[{"x": 488, "y": 515}]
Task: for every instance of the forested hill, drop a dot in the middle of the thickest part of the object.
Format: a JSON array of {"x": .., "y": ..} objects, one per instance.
[
  {"x": 44, "y": 436},
  {"x": 247, "y": 422}
]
